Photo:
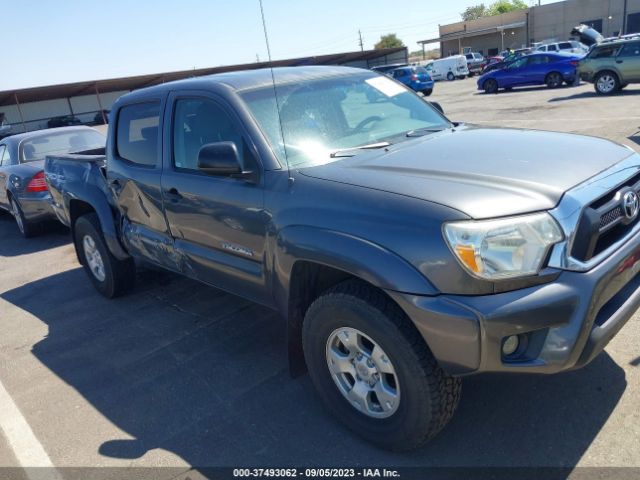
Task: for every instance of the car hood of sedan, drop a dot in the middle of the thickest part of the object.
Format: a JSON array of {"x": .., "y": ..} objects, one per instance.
[{"x": 482, "y": 172}]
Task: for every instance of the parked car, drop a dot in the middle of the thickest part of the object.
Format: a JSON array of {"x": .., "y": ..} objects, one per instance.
[
  {"x": 493, "y": 63},
  {"x": 570, "y": 46},
  {"x": 475, "y": 63},
  {"x": 23, "y": 190},
  {"x": 416, "y": 78},
  {"x": 63, "y": 121},
  {"x": 403, "y": 250},
  {"x": 387, "y": 68},
  {"x": 449, "y": 68},
  {"x": 551, "y": 69},
  {"x": 101, "y": 117},
  {"x": 612, "y": 65}
]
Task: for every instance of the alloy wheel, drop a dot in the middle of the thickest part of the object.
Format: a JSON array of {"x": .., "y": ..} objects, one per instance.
[
  {"x": 363, "y": 372},
  {"x": 94, "y": 258}
]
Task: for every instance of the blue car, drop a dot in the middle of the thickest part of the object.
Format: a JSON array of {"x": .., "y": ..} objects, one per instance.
[
  {"x": 550, "y": 69},
  {"x": 416, "y": 78}
]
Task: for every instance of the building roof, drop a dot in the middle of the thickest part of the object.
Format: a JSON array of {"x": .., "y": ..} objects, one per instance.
[
  {"x": 473, "y": 33},
  {"x": 68, "y": 90}
]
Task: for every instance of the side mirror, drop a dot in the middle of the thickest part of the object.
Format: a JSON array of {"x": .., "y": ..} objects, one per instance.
[{"x": 220, "y": 158}]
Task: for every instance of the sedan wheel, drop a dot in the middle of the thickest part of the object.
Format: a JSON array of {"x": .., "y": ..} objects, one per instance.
[
  {"x": 554, "y": 80},
  {"x": 490, "y": 86},
  {"x": 25, "y": 228}
]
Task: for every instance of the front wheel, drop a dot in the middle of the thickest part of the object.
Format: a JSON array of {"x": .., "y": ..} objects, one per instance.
[
  {"x": 490, "y": 86},
  {"x": 110, "y": 276},
  {"x": 373, "y": 370}
]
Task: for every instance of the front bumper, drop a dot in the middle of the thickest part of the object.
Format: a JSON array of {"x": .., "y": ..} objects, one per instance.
[
  {"x": 566, "y": 323},
  {"x": 37, "y": 207}
]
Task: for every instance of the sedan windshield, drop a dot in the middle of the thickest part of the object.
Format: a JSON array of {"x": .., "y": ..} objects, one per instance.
[
  {"x": 351, "y": 112},
  {"x": 60, "y": 143}
]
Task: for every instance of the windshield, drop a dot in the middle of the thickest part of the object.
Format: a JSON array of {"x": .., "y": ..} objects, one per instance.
[
  {"x": 322, "y": 116},
  {"x": 60, "y": 143}
]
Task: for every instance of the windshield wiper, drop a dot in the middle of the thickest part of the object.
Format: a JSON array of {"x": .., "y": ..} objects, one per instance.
[
  {"x": 419, "y": 132},
  {"x": 371, "y": 146}
]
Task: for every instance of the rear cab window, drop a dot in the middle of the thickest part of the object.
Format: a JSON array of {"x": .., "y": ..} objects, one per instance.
[{"x": 137, "y": 133}]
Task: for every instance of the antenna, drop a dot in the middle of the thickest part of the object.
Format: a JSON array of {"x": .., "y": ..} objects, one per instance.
[{"x": 275, "y": 90}]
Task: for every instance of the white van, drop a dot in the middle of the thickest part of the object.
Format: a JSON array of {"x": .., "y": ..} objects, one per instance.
[{"x": 449, "y": 68}]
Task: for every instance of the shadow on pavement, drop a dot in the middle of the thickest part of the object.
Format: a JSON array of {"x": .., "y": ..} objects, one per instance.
[
  {"x": 203, "y": 374},
  {"x": 593, "y": 94},
  {"x": 13, "y": 244}
]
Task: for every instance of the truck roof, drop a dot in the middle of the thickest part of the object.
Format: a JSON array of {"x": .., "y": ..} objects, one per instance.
[{"x": 250, "y": 79}]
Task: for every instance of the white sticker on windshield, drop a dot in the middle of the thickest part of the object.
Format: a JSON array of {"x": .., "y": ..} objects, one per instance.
[{"x": 386, "y": 86}]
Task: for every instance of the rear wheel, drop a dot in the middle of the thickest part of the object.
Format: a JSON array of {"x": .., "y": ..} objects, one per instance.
[
  {"x": 373, "y": 370},
  {"x": 427, "y": 92},
  {"x": 606, "y": 83},
  {"x": 110, "y": 276},
  {"x": 450, "y": 76},
  {"x": 490, "y": 86},
  {"x": 26, "y": 229},
  {"x": 553, "y": 80}
]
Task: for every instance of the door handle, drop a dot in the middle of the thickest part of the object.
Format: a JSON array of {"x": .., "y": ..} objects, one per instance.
[
  {"x": 174, "y": 194},
  {"x": 619, "y": 61}
]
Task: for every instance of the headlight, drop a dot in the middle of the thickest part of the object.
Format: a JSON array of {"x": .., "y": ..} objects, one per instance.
[{"x": 503, "y": 248}]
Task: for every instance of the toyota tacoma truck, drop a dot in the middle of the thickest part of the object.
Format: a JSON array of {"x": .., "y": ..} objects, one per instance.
[{"x": 401, "y": 257}]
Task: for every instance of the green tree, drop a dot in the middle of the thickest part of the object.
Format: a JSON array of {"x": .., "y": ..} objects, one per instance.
[
  {"x": 504, "y": 6},
  {"x": 496, "y": 8},
  {"x": 389, "y": 41},
  {"x": 476, "y": 11}
]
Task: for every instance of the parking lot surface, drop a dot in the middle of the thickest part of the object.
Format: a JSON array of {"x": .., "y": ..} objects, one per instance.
[{"x": 180, "y": 374}]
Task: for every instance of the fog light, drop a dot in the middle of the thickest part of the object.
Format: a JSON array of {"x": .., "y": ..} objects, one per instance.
[{"x": 510, "y": 345}]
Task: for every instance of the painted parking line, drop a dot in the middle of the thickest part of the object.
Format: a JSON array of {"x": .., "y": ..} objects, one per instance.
[{"x": 26, "y": 448}]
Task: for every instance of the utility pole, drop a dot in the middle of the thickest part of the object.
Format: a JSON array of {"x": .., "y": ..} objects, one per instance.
[
  {"x": 361, "y": 44},
  {"x": 257, "y": 58},
  {"x": 624, "y": 18}
]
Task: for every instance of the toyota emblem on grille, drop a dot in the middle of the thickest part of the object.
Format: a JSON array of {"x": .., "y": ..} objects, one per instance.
[{"x": 630, "y": 205}]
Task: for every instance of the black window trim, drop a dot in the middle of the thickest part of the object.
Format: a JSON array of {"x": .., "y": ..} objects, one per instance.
[{"x": 126, "y": 161}]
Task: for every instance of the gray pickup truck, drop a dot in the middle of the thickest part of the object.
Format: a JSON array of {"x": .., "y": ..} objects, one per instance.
[{"x": 401, "y": 256}]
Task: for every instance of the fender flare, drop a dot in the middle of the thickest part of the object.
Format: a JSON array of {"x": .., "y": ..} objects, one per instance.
[
  {"x": 95, "y": 197},
  {"x": 354, "y": 255}
]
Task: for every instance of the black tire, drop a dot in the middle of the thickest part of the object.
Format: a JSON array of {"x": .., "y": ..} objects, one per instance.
[
  {"x": 553, "y": 80},
  {"x": 427, "y": 92},
  {"x": 450, "y": 76},
  {"x": 429, "y": 396},
  {"x": 27, "y": 230},
  {"x": 471, "y": 74},
  {"x": 119, "y": 275},
  {"x": 606, "y": 83},
  {"x": 490, "y": 85}
]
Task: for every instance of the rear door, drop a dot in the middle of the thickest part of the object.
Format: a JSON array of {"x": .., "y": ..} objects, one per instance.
[
  {"x": 628, "y": 62},
  {"x": 217, "y": 222},
  {"x": 133, "y": 175}
]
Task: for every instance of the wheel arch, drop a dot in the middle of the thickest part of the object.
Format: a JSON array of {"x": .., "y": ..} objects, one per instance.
[{"x": 305, "y": 267}]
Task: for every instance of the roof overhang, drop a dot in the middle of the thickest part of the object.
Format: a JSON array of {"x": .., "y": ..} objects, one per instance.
[{"x": 474, "y": 33}]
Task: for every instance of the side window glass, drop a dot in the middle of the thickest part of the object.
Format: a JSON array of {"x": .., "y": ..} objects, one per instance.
[
  {"x": 630, "y": 50},
  {"x": 606, "y": 52},
  {"x": 197, "y": 122},
  {"x": 565, "y": 46},
  {"x": 137, "y": 133},
  {"x": 2, "y": 149}
]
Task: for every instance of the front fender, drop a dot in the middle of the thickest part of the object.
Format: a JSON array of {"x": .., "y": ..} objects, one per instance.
[{"x": 359, "y": 257}]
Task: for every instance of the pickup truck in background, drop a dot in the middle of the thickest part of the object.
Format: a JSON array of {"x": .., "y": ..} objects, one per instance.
[
  {"x": 475, "y": 63},
  {"x": 401, "y": 257}
]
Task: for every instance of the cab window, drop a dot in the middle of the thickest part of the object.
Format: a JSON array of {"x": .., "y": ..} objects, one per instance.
[
  {"x": 197, "y": 122},
  {"x": 137, "y": 133}
]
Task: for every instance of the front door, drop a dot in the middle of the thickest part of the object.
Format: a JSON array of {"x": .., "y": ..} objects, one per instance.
[
  {"x": 628, "y": 62},
  {"x": 217, "y": 222}
]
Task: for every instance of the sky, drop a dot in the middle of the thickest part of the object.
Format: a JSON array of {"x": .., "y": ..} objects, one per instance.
[{"x": 49, "y": 42}]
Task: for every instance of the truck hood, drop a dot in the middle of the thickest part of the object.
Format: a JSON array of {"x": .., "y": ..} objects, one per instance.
[{"x": 482, "y": 172}]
